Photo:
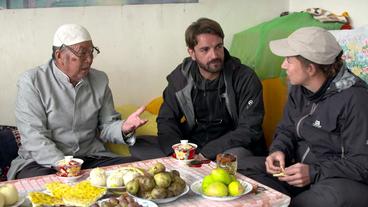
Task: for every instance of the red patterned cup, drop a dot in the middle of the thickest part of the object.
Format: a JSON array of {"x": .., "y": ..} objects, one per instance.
[{"x": 184, "y": 150}]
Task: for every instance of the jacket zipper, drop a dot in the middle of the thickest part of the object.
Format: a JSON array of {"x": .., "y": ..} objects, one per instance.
[
  {"x": 342, "y": 151},
  {"x": 208, "y": 106},
  {"x": 314, "y": 107},
  {"x": 305, "y": 154}
]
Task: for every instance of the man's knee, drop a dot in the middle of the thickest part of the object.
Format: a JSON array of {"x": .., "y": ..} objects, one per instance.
[
  {"x": 146, "y": 147},
  {"x": 33, "y": 169},
  {"x": 239, "y": 152}
]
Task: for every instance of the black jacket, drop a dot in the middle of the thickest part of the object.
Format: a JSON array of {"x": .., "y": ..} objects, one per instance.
[
  {"x": 329, "y": 131},
  {"x": 242, "y": 98}
]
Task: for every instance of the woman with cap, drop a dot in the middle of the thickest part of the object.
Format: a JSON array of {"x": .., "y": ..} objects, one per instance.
[{"x": 320, "y": 149}]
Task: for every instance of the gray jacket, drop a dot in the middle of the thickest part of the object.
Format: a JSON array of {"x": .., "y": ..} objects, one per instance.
[{"x": 56, "y": 119}]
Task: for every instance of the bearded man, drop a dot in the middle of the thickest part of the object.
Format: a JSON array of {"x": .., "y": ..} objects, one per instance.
[{"x": 211, "y": 100}]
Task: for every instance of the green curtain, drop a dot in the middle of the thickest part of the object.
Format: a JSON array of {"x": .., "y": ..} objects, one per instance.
[{"x": 251, "y": 45}]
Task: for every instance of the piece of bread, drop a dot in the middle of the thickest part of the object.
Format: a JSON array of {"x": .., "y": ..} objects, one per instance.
[
  {"x": 39, "y": 199},
  {"x": 281, "y": 174}
]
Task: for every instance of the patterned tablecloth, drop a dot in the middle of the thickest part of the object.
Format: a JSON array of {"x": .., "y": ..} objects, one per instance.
[{"x": 267, "y": 197}]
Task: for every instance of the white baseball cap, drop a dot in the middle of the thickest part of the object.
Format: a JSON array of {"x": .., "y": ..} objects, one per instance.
[
  {"x": 313, "y": 43},
  {"x": 70, "y": 34}
]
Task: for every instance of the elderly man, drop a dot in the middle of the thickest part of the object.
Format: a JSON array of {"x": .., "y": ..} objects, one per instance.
[
  {"x": 65, "y": 107},
  {"x": 211, "y": 99}
]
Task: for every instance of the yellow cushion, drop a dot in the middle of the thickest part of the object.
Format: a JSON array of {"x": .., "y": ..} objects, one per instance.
[
  {"x": 150, "y": 128},
  {"x": 119, "y": 149},
  {"x": 154, "y": 105}
]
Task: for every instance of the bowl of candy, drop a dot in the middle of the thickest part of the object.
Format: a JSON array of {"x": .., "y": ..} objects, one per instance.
[
  {"x": 184, "y": 151},
  {"x": 69, "y": 168}
]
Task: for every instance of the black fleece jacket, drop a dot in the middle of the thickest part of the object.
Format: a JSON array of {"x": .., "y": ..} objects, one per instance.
[
  {"x": 241, "y": 93},
  {"x": 327, "y": 130}
]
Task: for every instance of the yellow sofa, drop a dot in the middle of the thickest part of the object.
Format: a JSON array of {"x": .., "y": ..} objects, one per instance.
[
  {"x": 274, "y": 95},
  {"x": 150, "y": 128}
]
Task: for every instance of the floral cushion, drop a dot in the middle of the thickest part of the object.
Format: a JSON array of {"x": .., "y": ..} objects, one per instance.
[{"x": 9, "y": 142}]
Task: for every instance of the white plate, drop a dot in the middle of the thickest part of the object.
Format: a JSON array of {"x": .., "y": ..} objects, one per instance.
[
  {"x": 19, "y": 202},
  {"x": 70, "y": 179},
  {"x": 166, "y": 200},
  {"x": 142, "y": 202},
  {"x": 197, "y": 188}
]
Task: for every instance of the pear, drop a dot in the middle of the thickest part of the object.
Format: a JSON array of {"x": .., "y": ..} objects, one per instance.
[
  {"x": 162, "y": 179},
  {"x": 158, "y": 193},
  {"x": 157, "y": 168},
  {"x": 133, "y": 186},
  {"x": 146, "y": 183},
  {"x": 176, "y": 188},
  {"x": 174, "y": 173}
]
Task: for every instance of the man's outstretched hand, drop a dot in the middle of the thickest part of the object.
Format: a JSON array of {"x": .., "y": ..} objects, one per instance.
[{"x": 133, "y": 121}]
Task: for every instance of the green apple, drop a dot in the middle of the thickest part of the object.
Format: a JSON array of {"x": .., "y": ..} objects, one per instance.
[
  {"x": 235, "y": 188},
  {"x": 206, "y": 181},
  {"x": 221, "y": 175},
  {"x": 218, "y": 189},
  {"x": 10, "y": 194}
]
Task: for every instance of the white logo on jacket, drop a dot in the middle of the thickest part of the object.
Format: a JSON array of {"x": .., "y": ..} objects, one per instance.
[
  {"x": 249, "y": 104},
  {"x": 317, "y": 124}
]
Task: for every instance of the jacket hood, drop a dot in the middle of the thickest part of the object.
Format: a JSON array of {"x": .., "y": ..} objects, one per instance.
[{"x": 345, "y": 79}]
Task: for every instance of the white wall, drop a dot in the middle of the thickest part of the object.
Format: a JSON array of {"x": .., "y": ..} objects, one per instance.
[
  {"x": 357, "y": 9},
  {"x": 140, "y": 44}
]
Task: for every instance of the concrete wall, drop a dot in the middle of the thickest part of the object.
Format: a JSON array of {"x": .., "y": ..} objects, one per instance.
[
  {"x": 357, "y": 9},
  {"x": 140, "y": 44}
]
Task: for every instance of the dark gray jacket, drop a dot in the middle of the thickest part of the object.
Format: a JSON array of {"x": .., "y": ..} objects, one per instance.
[
  {"x": 329, "y": 133},
  {"x": 243, "y": 100}
]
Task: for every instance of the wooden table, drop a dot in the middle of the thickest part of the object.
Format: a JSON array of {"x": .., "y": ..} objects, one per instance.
[{"x": 268, "y": 197}]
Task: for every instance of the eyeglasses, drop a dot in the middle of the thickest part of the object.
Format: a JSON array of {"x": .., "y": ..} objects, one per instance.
[{"x": 83, "y": 53}]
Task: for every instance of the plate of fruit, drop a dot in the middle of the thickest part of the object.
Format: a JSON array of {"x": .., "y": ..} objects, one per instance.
[
  {"x": 158, "y": 185},
  {"x": 221, "y": 186},
  {"x": 124, "y": 200}
]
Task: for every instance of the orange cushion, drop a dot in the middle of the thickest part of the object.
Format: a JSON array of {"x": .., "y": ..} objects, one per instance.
[
  {"x": 274, "y": 97},
  {"x": 154, "y": 105}
]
